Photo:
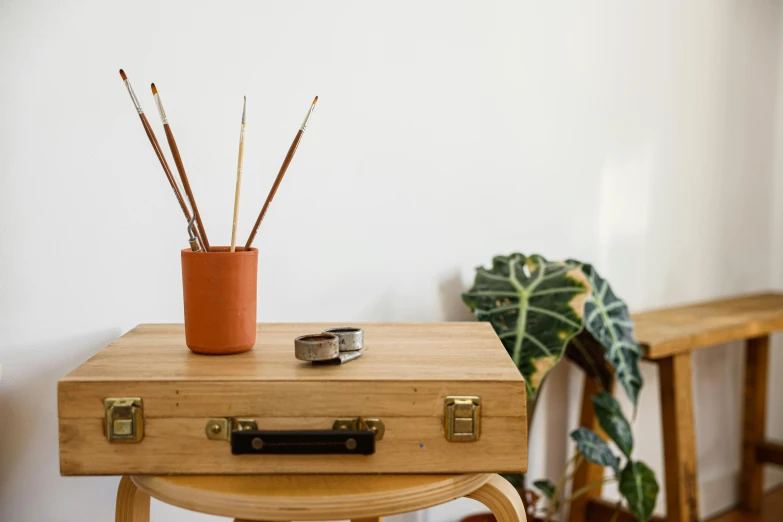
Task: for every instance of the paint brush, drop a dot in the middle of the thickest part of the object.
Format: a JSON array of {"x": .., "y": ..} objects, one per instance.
[
  {"x": 240, "y": 161},
  {"x": 180, "y": 167},
  {"x": 279, "y": 178},
  {"x": 156, "y": 148}
]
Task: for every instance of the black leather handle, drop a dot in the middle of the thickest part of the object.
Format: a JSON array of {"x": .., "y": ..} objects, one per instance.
[{"x": 305, "y": 442}]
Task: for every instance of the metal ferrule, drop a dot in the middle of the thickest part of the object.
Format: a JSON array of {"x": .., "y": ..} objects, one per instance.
[
  {"x": 162, "y": 113},
  {"x": 133, "y": 97},
  {"x": 194, "y": 246},
  {"x": 309, "y": 113},
  {"x": 244, "y": 110}
]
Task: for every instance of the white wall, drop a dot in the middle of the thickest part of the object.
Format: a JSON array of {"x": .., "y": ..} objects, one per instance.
[{"x": 638, "y": 136}]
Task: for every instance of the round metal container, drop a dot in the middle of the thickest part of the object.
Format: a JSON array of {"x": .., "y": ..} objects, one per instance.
[
  {"x": 351, "y": 339},
  {"x": 317, "y": 347}
]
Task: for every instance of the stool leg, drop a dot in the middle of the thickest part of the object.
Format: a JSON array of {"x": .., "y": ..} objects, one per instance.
[
  {"x": 754, "y": 416},
  {"x": 502, "y": 499},
  {"x": 132, "y": 505},
  {"x": 679, "y": 444},
  {"x": 587, "y": 472}
]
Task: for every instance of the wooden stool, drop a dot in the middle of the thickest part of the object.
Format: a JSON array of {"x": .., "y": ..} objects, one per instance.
[
  {"x": 668, "y": 337},
  {"x": 314, "y": 497}
]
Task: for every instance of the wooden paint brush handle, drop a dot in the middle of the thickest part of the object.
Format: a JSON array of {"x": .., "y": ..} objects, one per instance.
[
  {"x": 240, "y": 161},
  {"x": 186, "y": 185},
  {"x": 278, "y": 179},
  {"x": 167, "y": 170}
]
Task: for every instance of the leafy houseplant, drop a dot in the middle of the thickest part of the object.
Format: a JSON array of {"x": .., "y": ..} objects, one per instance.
[{"x": 543, "y": 310}]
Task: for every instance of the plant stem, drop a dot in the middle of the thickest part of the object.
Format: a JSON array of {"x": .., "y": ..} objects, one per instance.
[
  {"x": 578, "y": 344},
  {"x": 587, "y": 487},
  {"x": 577, "y": 459},
  {"x": 616, "y": 513},
  {"x": 577, "y": 462},
  {"x": 554, "y": 503}
]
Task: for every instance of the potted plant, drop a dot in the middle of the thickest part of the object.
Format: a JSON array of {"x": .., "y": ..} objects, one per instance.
[{"x": 543, "y": 310}]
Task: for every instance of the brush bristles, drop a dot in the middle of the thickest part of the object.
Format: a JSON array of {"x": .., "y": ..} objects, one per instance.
[
  {"x": 315, "y": 100},
  {"x": 154, "y": 89},
  {"x": 122, "y": 74}
]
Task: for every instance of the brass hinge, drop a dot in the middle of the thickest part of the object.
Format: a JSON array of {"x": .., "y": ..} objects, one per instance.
[
  {"x": 124, "y": 419},
  {"x": 462, "y": 418}
]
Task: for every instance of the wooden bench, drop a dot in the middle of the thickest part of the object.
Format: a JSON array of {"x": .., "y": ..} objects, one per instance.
[{"x": 668, "y": 337}]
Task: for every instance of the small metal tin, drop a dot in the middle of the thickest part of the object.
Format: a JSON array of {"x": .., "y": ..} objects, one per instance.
[
  {"x": 351, "y": 339},
  {"x": 343, "y": 358},
  {"x": 316, "y": 347}
]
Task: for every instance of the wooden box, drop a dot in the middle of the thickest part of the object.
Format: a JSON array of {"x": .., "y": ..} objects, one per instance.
[{"x": 404, "y": 378}]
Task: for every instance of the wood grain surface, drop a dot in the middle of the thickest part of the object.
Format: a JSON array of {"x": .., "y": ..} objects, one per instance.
[
  {"x": 679, "y": 439},
  {"x": 469, "y": 351},
  {"x": 754, "y": 421},
  {"x": 673, "y": 330},
  {"x": 311, "y": 497},
  {"x": 403, "y": 377}
]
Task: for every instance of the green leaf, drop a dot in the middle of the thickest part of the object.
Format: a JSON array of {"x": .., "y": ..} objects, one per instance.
[
  {"x": 609, "y": 322},
  {"x": 546, "y": 486},
  {"x": 594, "y": 449},
  {"x": 535, "y": 306},
  {"x": 613, "y": 422},
  {"x": 640, "y": 489}
]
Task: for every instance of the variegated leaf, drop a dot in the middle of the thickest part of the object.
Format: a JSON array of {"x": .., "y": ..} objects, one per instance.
[
  {"x": 594, "y": 449},
  {"x": 640, "y": 489},
  {"x": 535, "y": 306},
  {"x": 612, "y": 421},
  {"x": 607, "y": 319}
]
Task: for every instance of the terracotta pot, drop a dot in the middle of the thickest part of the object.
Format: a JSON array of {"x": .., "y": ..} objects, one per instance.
[{"x": 219, "y": 289}]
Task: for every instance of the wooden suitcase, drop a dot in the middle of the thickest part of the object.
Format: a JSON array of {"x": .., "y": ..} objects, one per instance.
[{"x": 428, "y": 398}]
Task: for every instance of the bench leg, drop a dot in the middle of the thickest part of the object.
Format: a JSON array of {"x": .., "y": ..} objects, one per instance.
[
  {"x": 754, "y": 416},
  {"x": 587, "y": 472},
  {"x": 679, "y": 439},
  {"x": 132, "y": 505},
  {"x": 502, "y": 499}
]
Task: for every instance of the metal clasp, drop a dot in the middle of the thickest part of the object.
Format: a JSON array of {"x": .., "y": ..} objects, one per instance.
[
  {"x": 462, "y": 418},
  {"x": 124, "y": 419}
]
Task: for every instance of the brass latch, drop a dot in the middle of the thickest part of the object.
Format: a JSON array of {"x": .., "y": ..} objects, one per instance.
[
  {"x": 462, "y": 418},
  {"x": 124, "y": 419}
]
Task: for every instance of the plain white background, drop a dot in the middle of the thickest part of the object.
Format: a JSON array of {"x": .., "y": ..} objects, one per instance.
[{"x": 640, "y": 136}]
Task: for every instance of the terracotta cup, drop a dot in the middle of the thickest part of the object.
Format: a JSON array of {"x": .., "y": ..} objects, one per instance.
[{"x": 219, "y": 290}]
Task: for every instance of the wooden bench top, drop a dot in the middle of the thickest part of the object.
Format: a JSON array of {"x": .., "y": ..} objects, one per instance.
[{"x": 669, "y": 331}]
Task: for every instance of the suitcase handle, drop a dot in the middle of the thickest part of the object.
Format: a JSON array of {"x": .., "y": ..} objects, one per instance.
[{"x": 303, "y": 442}]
